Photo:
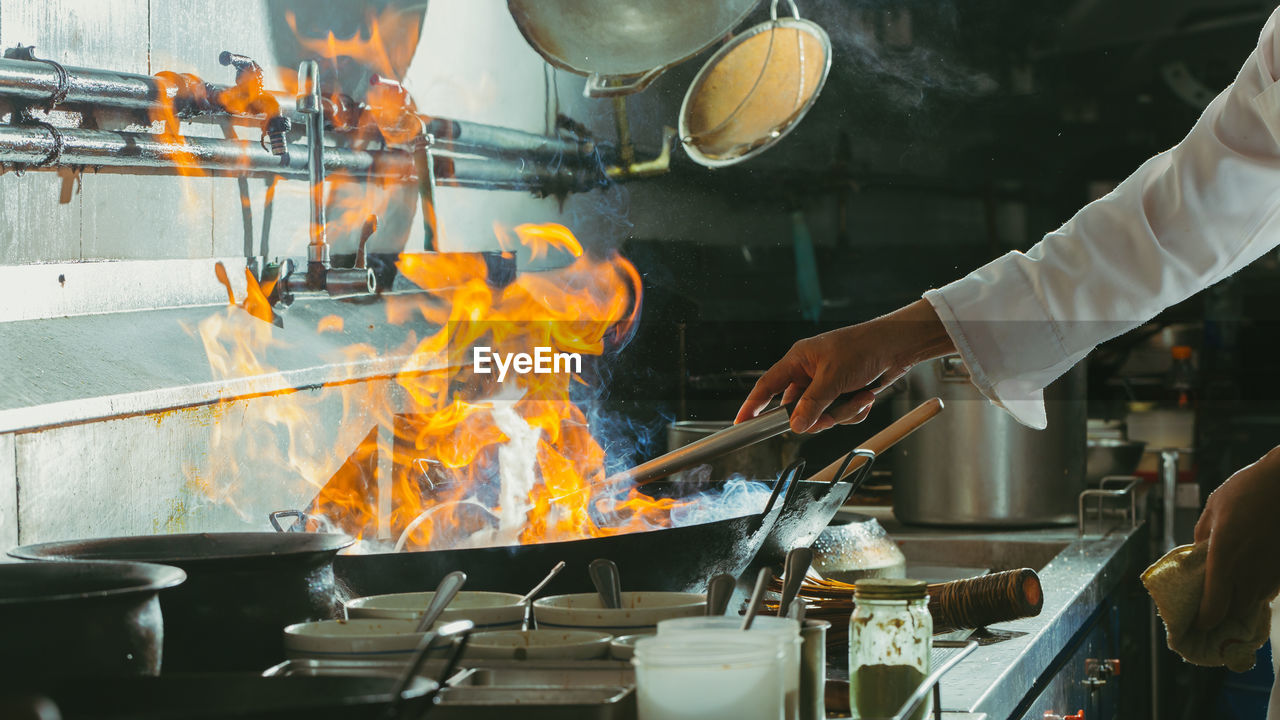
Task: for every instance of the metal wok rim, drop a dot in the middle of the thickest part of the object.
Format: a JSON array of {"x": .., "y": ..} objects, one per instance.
[
  {"x": 181, "y": 548},
  {"x": 147, "y": 578},
  {"x": 691, "y": 148}
]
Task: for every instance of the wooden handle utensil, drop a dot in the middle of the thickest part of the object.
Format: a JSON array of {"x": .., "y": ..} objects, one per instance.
[{"x": 883, "y": 440}]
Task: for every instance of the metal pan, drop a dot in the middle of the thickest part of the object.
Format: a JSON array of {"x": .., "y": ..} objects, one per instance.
[{"x": 623, "y": 45}]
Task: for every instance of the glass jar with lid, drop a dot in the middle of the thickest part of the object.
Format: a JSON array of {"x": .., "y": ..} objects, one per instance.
[{"x": 890, "y": 637}]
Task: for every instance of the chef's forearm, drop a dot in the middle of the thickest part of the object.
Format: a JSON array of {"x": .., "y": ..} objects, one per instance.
[{"x": 921, "y": 335}]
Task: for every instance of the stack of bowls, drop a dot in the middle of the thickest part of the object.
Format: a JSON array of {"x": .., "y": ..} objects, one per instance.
[
  {"x": 640, "y": 612},
  {"x": 488, "y": 610},
  {"x": 384, "y": 627}
]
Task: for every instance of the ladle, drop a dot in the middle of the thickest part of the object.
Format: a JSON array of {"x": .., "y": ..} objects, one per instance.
[{"x": 604, "y": 575}]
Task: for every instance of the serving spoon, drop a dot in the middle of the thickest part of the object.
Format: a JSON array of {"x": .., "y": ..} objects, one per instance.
[
  {"x": 604, "y": 575},
  {"x": 446, "y": 591}
]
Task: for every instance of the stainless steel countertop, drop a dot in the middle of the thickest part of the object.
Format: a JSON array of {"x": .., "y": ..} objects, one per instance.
[{"x": 995, "y": 678}]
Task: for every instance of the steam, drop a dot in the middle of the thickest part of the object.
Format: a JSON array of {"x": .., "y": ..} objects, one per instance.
[
  {"x": 903, "y": 52},
  {"x": 738, "y": 496}
]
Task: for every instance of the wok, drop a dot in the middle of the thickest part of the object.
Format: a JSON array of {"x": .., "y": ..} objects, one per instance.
[
  {"x": 241, "y": 589},
  {"x": 80, "y": 617},
  {"x": 623, "y": 45},
  {"x": 679, "y": 559}
]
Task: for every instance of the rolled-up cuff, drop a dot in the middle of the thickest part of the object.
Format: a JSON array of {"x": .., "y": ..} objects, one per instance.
[{"x": 1022, "y": 400}]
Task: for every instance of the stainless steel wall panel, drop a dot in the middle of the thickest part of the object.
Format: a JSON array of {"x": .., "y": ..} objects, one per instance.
[
  {"x": 166, "y": 473},
  {"x": 8, "y": 494},
  {"x": 92, "y": 33},
  {"x": 137, "y": 217},
  {"x": 39, "y": 218}
]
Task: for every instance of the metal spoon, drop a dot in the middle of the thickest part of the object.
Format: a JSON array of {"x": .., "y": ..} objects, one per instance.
[
  {"x": 527, "y": 600},
  {"x": 753, "y": 605},
  {"x": 445, "y": 592},
  {"x": 541, "y": 585},
  {"x": 604, "y": 575},
  {"x": 719, "y": 590},
  {"x": 793, "y": 572}
]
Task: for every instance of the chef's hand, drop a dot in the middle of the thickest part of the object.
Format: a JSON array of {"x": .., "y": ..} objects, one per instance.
[
  {"x": 817, "y": 370},
  {"x": 1239, "y": 521}
]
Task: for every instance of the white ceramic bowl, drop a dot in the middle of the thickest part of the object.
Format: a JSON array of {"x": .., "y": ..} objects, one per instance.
[
  {"x": 640, "y": 611},
  {"x": 539, "y": 644},
  {"x": 360, "y": 639},
  {"x": 623, "y": 647},
  {"x": 488, "y": 610}
]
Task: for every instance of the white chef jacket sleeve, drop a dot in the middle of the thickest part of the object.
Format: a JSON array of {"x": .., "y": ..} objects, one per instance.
[{"x": 1184, "y": 220}]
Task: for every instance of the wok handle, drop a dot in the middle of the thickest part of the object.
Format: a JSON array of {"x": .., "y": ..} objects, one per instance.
[{"x": 882, "y": 441}]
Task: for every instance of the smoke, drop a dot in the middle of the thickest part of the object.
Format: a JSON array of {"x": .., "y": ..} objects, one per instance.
[
  {"x": 738, "y": 496},
  {"x": 909, "y": 53}
]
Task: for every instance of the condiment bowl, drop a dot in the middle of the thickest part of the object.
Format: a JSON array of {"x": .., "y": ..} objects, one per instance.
[
  {"x": 488, "y": 610},
  {"x": 640, "y": 611},
  {"x": 542, "y": 644},
  {"x": 359, "y": 639}
]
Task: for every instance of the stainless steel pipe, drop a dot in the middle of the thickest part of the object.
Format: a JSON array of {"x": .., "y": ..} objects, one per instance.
[
  {"x": 35, "y": 82},
  {"x": 107, "y": 148}
]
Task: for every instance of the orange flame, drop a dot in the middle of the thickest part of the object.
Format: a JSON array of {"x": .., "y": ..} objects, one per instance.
[{"x": 473, "y": 460}]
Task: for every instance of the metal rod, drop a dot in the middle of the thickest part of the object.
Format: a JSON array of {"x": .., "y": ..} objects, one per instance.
[
  {"x": 626, "y": 151},
  {"x": 310, "y": 104}
]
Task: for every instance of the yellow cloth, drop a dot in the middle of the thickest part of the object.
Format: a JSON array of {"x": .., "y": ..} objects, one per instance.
[{"x": 1176, "y": 582}]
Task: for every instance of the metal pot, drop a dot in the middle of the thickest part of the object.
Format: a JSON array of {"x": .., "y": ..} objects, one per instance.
[
  {"x": 1112, "y": 456},
  {"x": 976, "y": 465},
  {"x": 81, "y": 618},
  {"x": 241, "y": 590},
  {"x": 623, "y": 45},
  {"x": 763, "y": 459}
]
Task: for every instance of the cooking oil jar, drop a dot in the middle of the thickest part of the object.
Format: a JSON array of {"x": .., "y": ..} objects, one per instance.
[{"x": 890, "y": 636}]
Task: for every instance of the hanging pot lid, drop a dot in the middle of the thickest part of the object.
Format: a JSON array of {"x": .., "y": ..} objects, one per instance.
[
  {"x": 623, "y": 45},
  {"x": 754, "y": 89}
]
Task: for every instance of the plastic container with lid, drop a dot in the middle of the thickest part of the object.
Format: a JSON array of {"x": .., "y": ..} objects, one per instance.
[
  {"x": 715, "y": 674},
  {"x": 785, "y": 630},
  {"x": 890, "y": 637}
]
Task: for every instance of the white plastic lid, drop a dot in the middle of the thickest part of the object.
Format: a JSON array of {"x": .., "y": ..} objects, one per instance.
[
  {"x": 721, "y": 649},
  {"x": 762, "y": 623}
]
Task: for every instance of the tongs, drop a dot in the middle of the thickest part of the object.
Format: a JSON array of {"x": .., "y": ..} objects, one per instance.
[{"x": 735, "y": 437}]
